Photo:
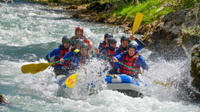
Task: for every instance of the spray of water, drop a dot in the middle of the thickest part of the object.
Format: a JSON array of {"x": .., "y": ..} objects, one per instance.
[{"x": 91, "y": 80}]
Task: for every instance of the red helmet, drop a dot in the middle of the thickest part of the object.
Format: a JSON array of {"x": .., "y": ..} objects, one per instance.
[{"x": 78, "y": 28}]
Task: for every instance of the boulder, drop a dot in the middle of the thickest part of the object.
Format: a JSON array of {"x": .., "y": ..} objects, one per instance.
[
  {"x": 98, "y": 7},
  {"x": 2, "y": 99},
  {"x": 6, "y": 1},
  {"x": 168, "y": 36},
  {"x": 71, "y": 7},
  {"x": 195, "y": 66}
]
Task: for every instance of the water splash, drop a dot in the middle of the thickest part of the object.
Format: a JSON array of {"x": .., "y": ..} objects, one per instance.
[{"x": 91, "y": 80}]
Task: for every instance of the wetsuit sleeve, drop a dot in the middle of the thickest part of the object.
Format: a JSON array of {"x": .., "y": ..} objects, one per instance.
[
  {"x": 53, "y": 53},
  {"x": 116, "y": 52},
  {"x": 104, "y": 52},
  {"x": 100, "y": 47},
  {"x": 141, "y": 62},
  {"x": 119, "y": 57},
  {"x": 68, "y": 55},
  {"x": 116, "y": 65},
  {"x": 140, "y": 46}
]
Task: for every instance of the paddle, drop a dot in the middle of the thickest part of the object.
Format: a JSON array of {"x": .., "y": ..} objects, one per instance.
[
  {"x": 71, "y": 80},
  {"x": 165, "y": 84},
  {"x": 137, "y": 22},
  {"x": 35, "y": 68}
]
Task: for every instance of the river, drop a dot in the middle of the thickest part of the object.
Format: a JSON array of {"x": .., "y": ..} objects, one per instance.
[{"x": 29, "y": 31}]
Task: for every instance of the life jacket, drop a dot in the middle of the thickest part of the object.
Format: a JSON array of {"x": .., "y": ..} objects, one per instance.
[
  {"x": 121, "y": 49},
  {"x": 63, "y": 52},
  {"x": 110, "y": 54},
  {"x": 103, "y": 45},
  {"x": 132, "y": 62}
]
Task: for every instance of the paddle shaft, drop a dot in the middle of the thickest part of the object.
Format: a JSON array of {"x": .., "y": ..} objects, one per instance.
[{"x": 64, "y": 60}]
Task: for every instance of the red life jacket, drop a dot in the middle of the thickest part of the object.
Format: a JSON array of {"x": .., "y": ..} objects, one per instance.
[
  {"x": 132, "y": 62},
  {"x": 121, "y": 49},
  {"x": 63, "y": 52},
  {"x": 110, "y": 54},
  {"x": 102, "y": 45}
]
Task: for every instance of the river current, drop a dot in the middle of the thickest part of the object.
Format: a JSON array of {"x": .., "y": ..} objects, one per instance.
[{"x": 29, "y": 31}]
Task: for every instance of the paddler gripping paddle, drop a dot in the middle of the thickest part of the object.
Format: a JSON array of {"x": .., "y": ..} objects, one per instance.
[
  {"x": 35, "y": 68},
  {"x": 136, "y": 24}
]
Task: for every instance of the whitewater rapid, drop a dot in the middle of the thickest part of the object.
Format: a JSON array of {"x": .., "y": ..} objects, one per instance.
[{"x": 29, "y": 31}]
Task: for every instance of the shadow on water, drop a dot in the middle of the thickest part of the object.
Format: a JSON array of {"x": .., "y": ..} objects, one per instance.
[
  {"x": 52, "y": 18},
  {"x": 32, "y": 52},
  {"x": 8, "y": 89},
  {"x": 61, "y": 10}
]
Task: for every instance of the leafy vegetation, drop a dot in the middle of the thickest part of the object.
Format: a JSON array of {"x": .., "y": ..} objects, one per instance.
[
  {"x": 152, "y": 9},
  {"x": 192, "y": 31}
]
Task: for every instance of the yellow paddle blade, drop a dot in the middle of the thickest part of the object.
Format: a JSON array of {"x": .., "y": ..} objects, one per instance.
[
  {"x": 35, "y": 68},
  {"x": 40, "y": 67},
  {"x": 27, "y": 68},
  {"x": 71, "y": 80},
  {"x": 137, "y": 22},
  {"x": 167, "y": 84}
]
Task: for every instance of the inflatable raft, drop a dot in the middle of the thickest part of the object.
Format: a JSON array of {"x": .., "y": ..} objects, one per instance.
[
  {"x": 125, "y": 84},
  {"x": 122, "y": 83}
]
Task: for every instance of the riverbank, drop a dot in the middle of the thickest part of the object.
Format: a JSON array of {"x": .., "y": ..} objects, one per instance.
[{"x": 122, "y": 12}]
